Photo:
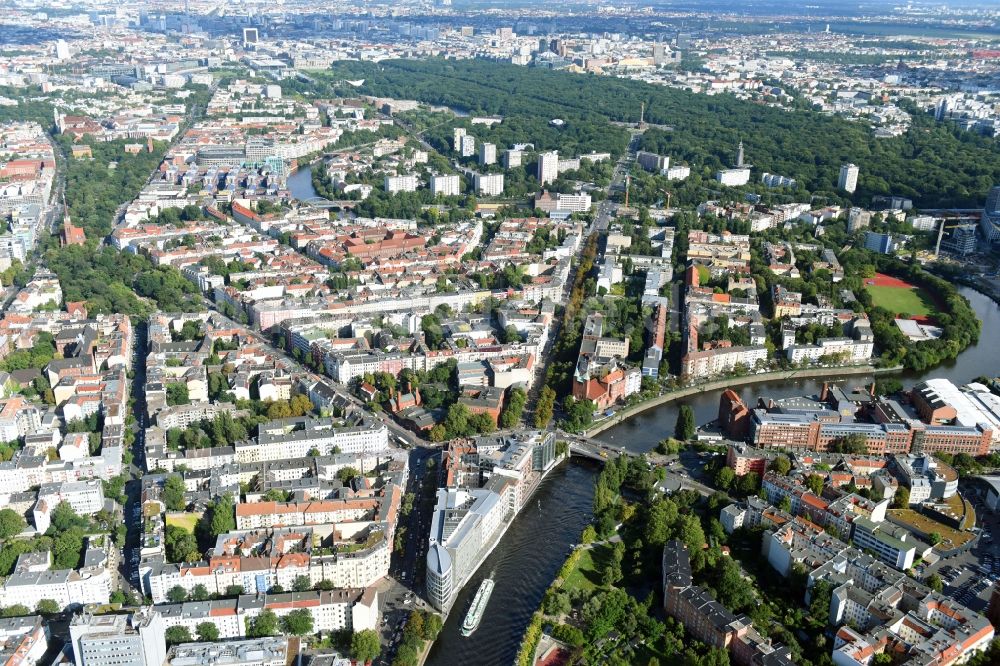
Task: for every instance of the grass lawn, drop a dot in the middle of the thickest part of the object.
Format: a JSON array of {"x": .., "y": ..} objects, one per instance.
[
  {"x": 183, "y": 520},
  {"x": 586, "y": 575},
  {"x": 913, "y": 302}
]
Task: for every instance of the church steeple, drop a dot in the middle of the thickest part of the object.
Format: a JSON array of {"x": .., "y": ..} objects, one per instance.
[{"x": 739, "y": 155}]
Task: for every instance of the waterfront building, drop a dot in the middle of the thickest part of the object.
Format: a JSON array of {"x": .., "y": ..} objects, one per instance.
[{"x": 488, "y": 481}]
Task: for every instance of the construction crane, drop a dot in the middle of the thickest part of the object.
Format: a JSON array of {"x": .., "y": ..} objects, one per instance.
[{"x": 944, "y": 225}]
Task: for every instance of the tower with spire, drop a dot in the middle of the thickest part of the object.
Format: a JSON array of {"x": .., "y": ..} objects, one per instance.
[{"x": 739, "y": 155}]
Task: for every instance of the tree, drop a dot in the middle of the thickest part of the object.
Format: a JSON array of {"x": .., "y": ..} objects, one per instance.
[
  {"x": 748, "y": 483},
  {"x": 177, "y": 394},
  {"x": 662, "y": 516},
  {"x": 934, "y": 582},
  {"x": 432, "y": 626},
  {"x": 544, "y": 407},
  {"x": 785, "y": 504},
  {"x": 902, "y": 498},
  {"x": 233, "y": 590},
  {"x": 264, "y": 625},
  {"x": 16, "y": 610},
  {"x": 219, "y": 518},
  {"x": 301, "y": 584},
  {"x": 511, "y": 415},
  {"x": 298, "y": 622},
  {"x": 482, "y": 423},
  {"x": 934, "y": 538},
  {"x": 733, "y": 591},
  {"x": 366, "y": 646},
  {"x": 180, "y": 545},
  {"x": 819, "y": 602},
  {"x": 177, "y": 594},
  {"x": 11, "y": 523},
  {"x": 346, "y": 474},
  {"x": 47, "y": 607},
  {"x": 689, "y": 531},
  {"x": 199, "y": 593},
  {"x": 888, "y": 386},
  {"x": 685, "y": 427},
  {"x": 781, "y": 465},
  {"x": 589, "y": 534},
  {"x": 725, "y": 477},
  {"x": 207, "y": 632},
  {"x": 173, "y": 493},
  {"x": 855, "y": 443},
  {"x": 814, "y": 482},
  {"x": 65, "y": 518},
  {"x": 177, "y": 634}
]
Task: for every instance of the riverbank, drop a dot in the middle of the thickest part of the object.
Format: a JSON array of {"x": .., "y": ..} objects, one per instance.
[
  {"x": 729, "y": 382},
  {"x": 528, "y": 651}
]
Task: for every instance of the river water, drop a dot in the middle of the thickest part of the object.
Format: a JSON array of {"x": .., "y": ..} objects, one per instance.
[
  {"x": 523, "y": 565},
  {"x": 300, "y": 185}
]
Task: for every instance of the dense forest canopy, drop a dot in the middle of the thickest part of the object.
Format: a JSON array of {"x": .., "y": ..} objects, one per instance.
[{"x": 937, "y": 165}]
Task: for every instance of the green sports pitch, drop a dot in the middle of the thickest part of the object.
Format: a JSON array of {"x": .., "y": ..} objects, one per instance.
[{"x": 902, "y": 301}]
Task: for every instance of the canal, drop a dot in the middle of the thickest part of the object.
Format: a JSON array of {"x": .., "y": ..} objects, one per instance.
[
  {"x": 523, "y": 565},
  {"x": 643, "y": 431}
]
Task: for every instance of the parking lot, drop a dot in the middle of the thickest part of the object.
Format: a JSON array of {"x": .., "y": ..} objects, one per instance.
[{"x": 969, "y": 576}]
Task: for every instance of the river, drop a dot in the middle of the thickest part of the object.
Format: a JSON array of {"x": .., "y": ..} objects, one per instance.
[
  {"x": 523, "y": 565},
  {"x": 300, "y": 184},
  {"x": 643, "y": 431}
]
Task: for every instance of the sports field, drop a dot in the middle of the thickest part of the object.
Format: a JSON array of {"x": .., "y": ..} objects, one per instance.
[
  {"x": 913, "y": 302},
  {"x": 901, "y": 297}
]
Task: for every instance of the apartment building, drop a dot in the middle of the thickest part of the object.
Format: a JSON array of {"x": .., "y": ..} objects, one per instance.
[
  {"x": 134, "y": 639},
  {"x": 489, "y": 184},
  {"x": 334, "y": 610},
  {"x": 446, "y": 186},
  {"x": 835, "y": 350},
  {"x": 296, "y": 437},
  {"x": 548, "y": 167},
  {"x": 404, "y": 183}
]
